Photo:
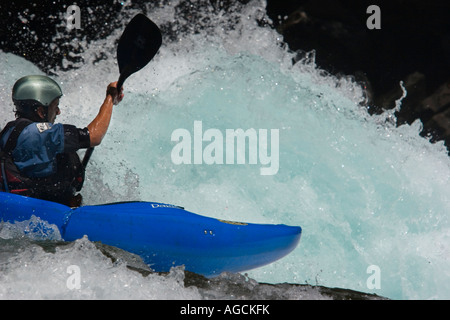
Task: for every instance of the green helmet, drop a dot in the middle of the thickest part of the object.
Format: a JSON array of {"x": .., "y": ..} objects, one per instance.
[{"x": 35, "y": 89}]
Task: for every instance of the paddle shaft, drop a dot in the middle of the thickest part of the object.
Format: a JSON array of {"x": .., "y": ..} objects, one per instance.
[{"x": 138, "y": 44}]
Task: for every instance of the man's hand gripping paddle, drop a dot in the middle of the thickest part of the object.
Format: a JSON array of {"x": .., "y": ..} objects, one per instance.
[{"x": 139, "y": 43}]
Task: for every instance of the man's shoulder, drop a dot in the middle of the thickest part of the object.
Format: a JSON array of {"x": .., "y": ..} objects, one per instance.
[
  {"x": 44, "y": 127},
  {"x": 37, "y": 132}
]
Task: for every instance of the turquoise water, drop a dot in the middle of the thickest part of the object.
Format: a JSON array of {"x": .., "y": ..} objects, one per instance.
[{"x": 365, "y": 192}]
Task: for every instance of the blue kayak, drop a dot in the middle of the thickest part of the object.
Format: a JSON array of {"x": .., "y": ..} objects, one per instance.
[{"x": 163, "y": 235}]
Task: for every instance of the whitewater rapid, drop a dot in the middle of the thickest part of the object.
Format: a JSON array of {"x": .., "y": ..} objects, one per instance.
[{"x": 368, "y": 195}]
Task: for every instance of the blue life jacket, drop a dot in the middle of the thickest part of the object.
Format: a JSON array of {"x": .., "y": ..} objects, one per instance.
[
  {"x": 36, "y": 148},
  {"x": 34, "y": 162}
]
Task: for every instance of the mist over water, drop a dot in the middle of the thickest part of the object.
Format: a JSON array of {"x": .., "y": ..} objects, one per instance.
[{"x": 364, "y": 191}]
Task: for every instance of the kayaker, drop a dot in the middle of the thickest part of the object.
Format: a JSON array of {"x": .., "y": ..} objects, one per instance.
[{"x": 38, "y": 157}]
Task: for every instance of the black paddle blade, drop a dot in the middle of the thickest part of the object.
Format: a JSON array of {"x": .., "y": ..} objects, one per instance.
[{"x": 138, "y": 44}]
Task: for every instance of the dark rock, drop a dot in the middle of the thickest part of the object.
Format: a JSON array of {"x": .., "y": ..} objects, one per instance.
[
  {"x": 438, "y": 106},
  {"x": 238, "y": 286},
  {"x": 413, "y": 46},
  {"x": 235, "y": 285}
]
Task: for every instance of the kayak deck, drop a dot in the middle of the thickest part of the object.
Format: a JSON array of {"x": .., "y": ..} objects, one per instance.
[{"x": 163, "y": 235}]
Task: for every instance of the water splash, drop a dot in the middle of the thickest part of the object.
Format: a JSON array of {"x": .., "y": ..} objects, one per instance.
[{"x": 365, "y": 191}]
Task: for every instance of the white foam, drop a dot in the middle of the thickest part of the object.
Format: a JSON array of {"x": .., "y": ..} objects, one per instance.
[{"x": 364, "y": 191}]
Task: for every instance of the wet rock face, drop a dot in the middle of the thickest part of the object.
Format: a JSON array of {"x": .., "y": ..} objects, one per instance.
[{"x": 412, "y": 45}]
